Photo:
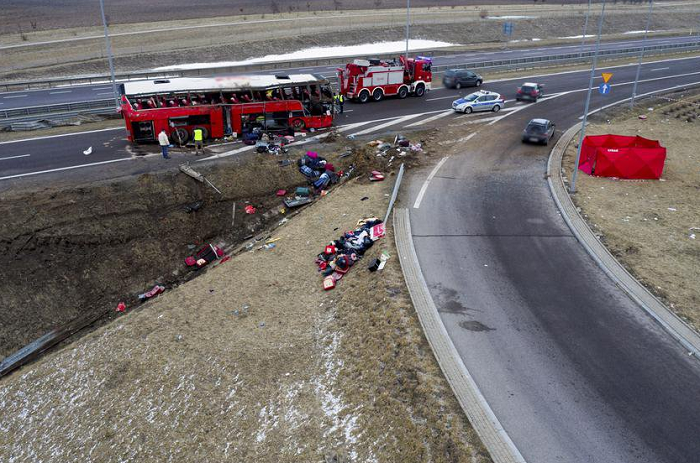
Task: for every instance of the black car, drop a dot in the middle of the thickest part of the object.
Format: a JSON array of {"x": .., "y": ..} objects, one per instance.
[
  {"x": 458, "y": 78},
  {"x": 529, "y": 91},
  {"x": 538, "y": 131}
]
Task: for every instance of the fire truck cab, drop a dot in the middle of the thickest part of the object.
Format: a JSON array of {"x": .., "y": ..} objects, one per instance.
[{"x": 374, "y": 79}]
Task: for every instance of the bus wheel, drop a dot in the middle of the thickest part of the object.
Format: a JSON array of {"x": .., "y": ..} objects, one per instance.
[
  {"x": 403, "y": 92},
  {"x": 420, "y": 90},
  {"x": 377, "y": 94},
  {"x": 363, "y": 97},
  {"x": 205, "y": 132},
  {"x": 298, "y": 124},
  {"x": 181, "y": 136}
]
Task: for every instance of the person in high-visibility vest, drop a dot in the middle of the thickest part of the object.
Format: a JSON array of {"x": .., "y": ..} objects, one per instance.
[
  {"x": 198, "y": 141},
  {"x": 339, "y": 100}
]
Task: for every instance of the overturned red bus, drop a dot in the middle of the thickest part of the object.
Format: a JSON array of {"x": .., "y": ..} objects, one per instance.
[{"x": 225, "y": 105}]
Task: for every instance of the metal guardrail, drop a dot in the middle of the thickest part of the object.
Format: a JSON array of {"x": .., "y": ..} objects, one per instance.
[{"x": 106, "y": 106}]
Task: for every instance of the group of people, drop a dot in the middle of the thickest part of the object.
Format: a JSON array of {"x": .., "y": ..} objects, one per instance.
[
  {"x": 198, "y": 136},
  {"x": 317, "y": 170}
]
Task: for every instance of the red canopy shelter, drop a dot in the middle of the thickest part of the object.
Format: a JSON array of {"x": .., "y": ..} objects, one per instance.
[{"x": 621, "y": 156}]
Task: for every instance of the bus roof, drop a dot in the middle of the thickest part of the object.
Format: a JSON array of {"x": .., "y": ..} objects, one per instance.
[{"x": 203, "y": 84}]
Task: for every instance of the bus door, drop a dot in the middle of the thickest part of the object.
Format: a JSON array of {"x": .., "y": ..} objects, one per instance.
[{"x": 228, "y": 128}]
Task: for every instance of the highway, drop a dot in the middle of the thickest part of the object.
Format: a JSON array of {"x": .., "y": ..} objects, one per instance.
[
  {"x": 102, "y": 91},
  {"x": 572, "y": 368}
]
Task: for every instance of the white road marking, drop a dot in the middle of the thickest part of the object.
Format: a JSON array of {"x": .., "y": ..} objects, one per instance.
[
  {"x": 63, "y": 135},
  {"x": 386, "y": 124},
  {"x": 15, "y": 157},
  {"x": 442, "y": 98},
  {"x": 424, "y": 188},
  {"x": 61, "y": 169},
  {"x": 106, "y": 93},
  {"x": 102, "y": 88},
  {"x": 660, "y": 69},
  {"x": 14, "y": 96},
  {"x": 60, "y": 91},
  {"x": 447, "y": 112}
]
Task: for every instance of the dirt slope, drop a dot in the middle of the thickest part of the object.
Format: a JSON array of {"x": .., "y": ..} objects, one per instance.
[{"x": 251, "y": 361}]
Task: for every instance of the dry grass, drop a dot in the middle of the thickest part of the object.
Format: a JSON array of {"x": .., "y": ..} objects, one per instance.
[
  {"x": 648, "y": 225},
  {"x": 301, "y": 375}
]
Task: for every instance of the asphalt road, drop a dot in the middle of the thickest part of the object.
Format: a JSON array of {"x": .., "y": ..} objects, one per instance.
[
  {"x": 572, "y": 368},
  {"x": 75, "y": 94}
]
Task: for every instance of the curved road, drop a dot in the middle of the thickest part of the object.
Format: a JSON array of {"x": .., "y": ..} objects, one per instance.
[{"x": 572, "y": 368}]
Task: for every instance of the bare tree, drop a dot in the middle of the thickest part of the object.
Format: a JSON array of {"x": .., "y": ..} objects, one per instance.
[
  {"x": 275, "y": 7},
  {"x": 33, "y": 24},
  {"x": 337, "y": 5},
  {"x": 21, "y": 33},
  {"x": 378, "y": 3}
]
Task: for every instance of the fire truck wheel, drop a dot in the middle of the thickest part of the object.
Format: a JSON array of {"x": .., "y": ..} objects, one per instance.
[
  {"x": 377, "y": 94},
  {"x": 298, "y": 124},
  {"x": 181, "y": 136},
  {"x": 363, "y": 97},
  {"x": 205, "y": 132},
  {"x": 420, "y": 90},
  {"x": 403, "y": 92}
]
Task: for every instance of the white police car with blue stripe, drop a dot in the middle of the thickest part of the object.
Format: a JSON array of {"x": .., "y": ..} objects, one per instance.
[{"x": 479, "y": 101}]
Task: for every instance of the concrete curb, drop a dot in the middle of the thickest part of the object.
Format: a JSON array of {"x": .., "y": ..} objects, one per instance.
[
  {"x": 676, "y": 327},
  {"x": 482, "y": 418}
]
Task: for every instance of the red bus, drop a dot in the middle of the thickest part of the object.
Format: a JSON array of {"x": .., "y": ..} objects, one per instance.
[{"x": 225, "y": 105}]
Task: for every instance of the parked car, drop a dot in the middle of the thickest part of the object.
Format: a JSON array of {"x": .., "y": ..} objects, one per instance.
[
  {"x": 538, "y": 131},
  {"x": 479, "y": 101},
  {"x": 458, "y": 78},
  {"x": 530, "y": 91}
]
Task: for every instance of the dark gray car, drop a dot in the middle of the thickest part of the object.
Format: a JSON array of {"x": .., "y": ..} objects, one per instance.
[
  {"x": 458, "y": 78},
  {"x": 538, "y": 131}
]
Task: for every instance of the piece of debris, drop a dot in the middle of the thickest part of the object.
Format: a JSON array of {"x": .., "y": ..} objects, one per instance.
[
  {"x": 88, "y": 151},
  {"x": 281, "y": 192},
  {"x": 194, "y": 207},
  {"x": 376, "y": 176},
  {"x": 187, "y": 170},
  {"x": 302, "y": 192},
  {"x": 285, "y": 162},
  {"x": 156, "y": 290},
  {"x": 204, "y": 256},
  {"x": 296, "y": 202},
  {"x": 365, "y": 198},
  {"x": 250, "y": 209},
  {"x": 642, "y": 117},
  {"x": 121, "y": 307}
]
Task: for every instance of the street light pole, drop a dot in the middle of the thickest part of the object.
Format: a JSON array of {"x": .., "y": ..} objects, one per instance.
[
  {"x": 572, "y": 187},
  {"x": 408, "y": 20},
  {"x": 585, "y": 27},
  {"x": 641, "y": 54},
  {"x": 109, "y": 55}
]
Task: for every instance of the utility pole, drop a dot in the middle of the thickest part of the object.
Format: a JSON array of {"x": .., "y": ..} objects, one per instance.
[
  {"x": 109, "y": 55},
  {"x": 408, "y": 21},
  {"x": 585, "y": 27},
  {"x": 641, "y": 54},
  {"x": 572, "y": 187}
]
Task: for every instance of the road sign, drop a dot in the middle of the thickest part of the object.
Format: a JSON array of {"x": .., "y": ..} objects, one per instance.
[
  {"x": 604, "y": 89},
  {"x": 508, "y": 28},
  {"x": 606, "y": 76}
]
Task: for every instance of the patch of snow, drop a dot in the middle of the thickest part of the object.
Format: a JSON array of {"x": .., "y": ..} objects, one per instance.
[
  {"x": 576, "y": 36},
  {"x": 525, "y": 40},
  {"x": 365, "y": 49},
  {"x": 511, "y": 17},
  {"x": 636, "y": 32}
]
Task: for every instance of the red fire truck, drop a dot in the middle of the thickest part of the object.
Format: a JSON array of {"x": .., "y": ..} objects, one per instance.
[
  {"x": 225, "y": 105},
  {"x": 375, "y": 79}
]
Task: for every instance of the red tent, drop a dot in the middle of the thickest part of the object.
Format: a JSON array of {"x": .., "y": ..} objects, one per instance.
[{"x": 621, "y": 156}]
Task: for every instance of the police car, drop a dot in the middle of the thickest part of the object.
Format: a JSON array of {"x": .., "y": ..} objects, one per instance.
[{"x": 479, "y": 101}]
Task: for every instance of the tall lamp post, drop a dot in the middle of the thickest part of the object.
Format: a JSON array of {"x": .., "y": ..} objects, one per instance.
[
  {"x": 109, "y": 55},
  {"x": 585, "y": 28},
  {"x": 641, "y": 54},
  {"x": 572, "y": 187},
  {"x": 408, "y": 20}
]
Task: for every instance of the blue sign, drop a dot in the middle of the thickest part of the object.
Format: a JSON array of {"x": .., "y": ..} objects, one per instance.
[
  {"x": 604, "y": 89},
  {"x": 508, "y": 28}
]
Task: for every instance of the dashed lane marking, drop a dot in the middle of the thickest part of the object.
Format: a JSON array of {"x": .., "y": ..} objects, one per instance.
[{"x": 15, "y": 157}]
